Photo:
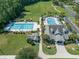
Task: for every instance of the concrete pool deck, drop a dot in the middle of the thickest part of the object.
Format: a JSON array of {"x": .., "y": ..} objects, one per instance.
[
  {"x": 22, "y": 26},
  {"x": 51, "y": 21}
]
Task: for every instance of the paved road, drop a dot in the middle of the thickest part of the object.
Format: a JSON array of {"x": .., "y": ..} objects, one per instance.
[
  {"x": 7, "y": 57},
  {"x": 70, "y": 11},
  {"x": 74, "y": 27}
]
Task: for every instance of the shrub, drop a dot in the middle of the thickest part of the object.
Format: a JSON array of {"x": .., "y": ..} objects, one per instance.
[
  {"x": 27, "y": 53},
  {"x": 68, "y": 42},
  {"x": 30, "y": 41}
]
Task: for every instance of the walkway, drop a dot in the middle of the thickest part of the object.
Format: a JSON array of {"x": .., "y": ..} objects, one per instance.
[
  {"x": 7, "y": 57},
  {"x": 55, "y": 8},
  {"x": 40, "y": 53}
]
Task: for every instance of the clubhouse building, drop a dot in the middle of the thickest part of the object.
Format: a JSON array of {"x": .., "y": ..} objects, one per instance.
[{"x": 54, "y": 28}]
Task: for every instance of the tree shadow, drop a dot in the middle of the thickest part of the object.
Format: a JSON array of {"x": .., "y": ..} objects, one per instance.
[
  {"x": 4, "y": 32},
  {"x": 60, "y": 43},
  {"x": 22, "y": 15},
  {"x": 31, "y": 3}
]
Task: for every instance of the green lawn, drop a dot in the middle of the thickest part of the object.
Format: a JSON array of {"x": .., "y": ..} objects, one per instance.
[
  {"x": 72, "y": 49},
  {"x": 34, "y": 11},
  {"x": 10, "y": 44},
  {"x": 50, "y": 51}
]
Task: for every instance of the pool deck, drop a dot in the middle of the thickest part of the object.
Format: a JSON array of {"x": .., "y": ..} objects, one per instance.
[
  {"x": 34, "y": 27},
  {"x": 55, "y": 22}
]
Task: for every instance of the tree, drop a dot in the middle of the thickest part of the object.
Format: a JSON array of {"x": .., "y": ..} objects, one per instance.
[
  {"x": 27, "y": 53},
  {"x": 77, "y": 10},
  {"x": 73, "y": 37},
  {"x": 67, "y": 1},
  {"x": 30, "y": 41},
  {"x": 69, "y": 27},
  {"x": 62, "y": 14},
  {"x": 55, "y": 2},
  {"x": 47, "y": 39},
  {"x": 11, "y": 9}
]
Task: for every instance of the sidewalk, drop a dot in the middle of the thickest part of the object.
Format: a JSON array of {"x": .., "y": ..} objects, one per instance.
[{"x": 7, "y": 57}]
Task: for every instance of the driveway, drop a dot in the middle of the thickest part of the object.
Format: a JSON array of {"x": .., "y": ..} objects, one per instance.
[{"x": 61, "y": 53}]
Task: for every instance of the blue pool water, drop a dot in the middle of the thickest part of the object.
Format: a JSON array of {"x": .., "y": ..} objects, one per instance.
[
  {"x": 22, "y": 26},
  {"x": 51, "y": 21}
]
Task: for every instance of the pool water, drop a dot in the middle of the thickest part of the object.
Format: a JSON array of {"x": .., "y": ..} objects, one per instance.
[
  {"x": 22, "y": 26},
  {"x": 51, "y": 21}
]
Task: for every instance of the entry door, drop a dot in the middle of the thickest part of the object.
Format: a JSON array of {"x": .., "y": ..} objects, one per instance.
[{"x": 59, "y": 38}]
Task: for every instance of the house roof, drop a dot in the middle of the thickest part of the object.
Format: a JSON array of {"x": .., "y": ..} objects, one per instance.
[
  {"x": 57, "y": 32},
  {"x": 58, "y": 28}
]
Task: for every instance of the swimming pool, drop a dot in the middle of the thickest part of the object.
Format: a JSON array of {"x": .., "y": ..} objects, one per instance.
[
  {"x": 51, "y": 21},
  {"x": 22, "y": 26}
]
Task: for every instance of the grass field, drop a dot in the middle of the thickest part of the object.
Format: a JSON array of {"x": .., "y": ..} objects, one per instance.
[
  {"x": 10, "y": 44},
  {"x": 50, "y": 51},
  {"x": 72, "y": 49},
  {"x": 36, "y": 10}
]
